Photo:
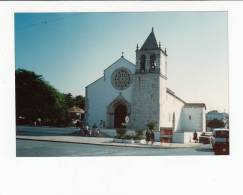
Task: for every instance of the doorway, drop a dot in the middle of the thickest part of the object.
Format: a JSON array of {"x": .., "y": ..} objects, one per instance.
[{"x": 119, "y": 115}]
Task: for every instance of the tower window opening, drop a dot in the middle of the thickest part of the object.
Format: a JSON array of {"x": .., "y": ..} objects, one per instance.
[
  {"x": 152, "y": 61},
  {"x": 142, "y": 63}
]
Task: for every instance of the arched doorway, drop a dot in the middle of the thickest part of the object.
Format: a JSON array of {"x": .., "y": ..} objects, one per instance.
[
  {"x": 119, "y": 115},
  {"x": 115, "y": 109}
]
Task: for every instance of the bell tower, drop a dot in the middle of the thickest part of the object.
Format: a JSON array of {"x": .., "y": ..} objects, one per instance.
[
  {"x": 149, "y": 83},
  {"x": 151, "y": 58}
]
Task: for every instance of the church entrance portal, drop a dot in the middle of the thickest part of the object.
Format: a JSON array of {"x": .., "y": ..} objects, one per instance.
[
  {"x": 119, "y": 115},
  {"x": 117, "y": 110}
]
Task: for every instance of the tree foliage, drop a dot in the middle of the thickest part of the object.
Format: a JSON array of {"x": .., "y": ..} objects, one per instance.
[
  {"x": 79, "y": 101},
  {"x": 151, "y": 125},
  {"x": 215, "y": 123},
  {"x": 71, "y": 101},
  {"x": 36, "y": 98},
  {"x": 68, "y": 100}
]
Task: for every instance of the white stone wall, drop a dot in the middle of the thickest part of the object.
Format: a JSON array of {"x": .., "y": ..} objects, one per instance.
[
  {"x": 184, "y": 137},
  {"x": 163, "y": 104},
  {"x": 163, "y": 64},
  {"x": 95, "y": 107},
  {"x": 193, "y": 118},
  {"x": 172, "y": 105},
  {"x": 101, "y": 93}
]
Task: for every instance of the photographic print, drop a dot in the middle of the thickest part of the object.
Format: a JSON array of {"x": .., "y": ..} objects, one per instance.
[{"x": 122, "y": 84}]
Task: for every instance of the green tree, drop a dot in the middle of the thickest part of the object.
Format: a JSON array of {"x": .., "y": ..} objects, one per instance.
[
  {"x": 215, "y": 123},
  {"x": 79, "y": 101},
  {"x": 36, "y": 98},
  {"x": 151, "y": 125},
  {"x": 68, "y": 100}
]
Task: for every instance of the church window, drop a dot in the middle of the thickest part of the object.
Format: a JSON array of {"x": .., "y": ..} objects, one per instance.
[
  {"x": 152, "y": 61},
  {"x": 121, "y": 79},
  {"x": 142, "y": 63}
]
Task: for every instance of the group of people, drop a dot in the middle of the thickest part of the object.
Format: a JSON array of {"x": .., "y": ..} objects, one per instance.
[
  {"x": 91, "y": 132},
  {"x": 85, "y": 130},
  {"x": 149, "y": 135}
]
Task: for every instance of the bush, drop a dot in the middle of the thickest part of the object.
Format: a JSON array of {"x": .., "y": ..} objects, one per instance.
[
  {"x": 215, "y": 124},
  {"x": 120, "y": 133},
  {"x": 139, "y": 135},
  {"x": 151, "y": 125},
  {"x": 128, "y": 137},
  {"x": 94, "y": 126}
]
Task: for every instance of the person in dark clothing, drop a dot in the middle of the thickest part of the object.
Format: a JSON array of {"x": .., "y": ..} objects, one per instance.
[
  {"x": 78, "y": 124},
  {"x": 86, "y": 130},
  {"x": 148, "y": 135},
  {"x": 152, "y": 136},
  {"x": 195, "y": 136}
]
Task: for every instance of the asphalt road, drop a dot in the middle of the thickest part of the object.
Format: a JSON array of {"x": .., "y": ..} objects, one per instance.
[
  {"x": 44, "y": 148},
  {"x": 29, "y": 148}
]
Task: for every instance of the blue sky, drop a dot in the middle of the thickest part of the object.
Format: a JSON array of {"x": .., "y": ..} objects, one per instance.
[{"x": 71, "y": 50}]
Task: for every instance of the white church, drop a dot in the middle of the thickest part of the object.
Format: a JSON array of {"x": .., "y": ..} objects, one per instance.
[{"x": 140, "y": 91}]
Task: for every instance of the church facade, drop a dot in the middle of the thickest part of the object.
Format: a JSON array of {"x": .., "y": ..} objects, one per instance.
[{"x": 140, "y": 92}]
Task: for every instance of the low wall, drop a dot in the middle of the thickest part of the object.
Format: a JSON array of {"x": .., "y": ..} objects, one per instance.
[
  {"x": 112, "y": 133},
  {"x": 178, "y": 137},
  {"x": 184, "y": 137}
]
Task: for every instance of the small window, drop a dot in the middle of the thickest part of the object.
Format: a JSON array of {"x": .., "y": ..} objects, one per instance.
[{"x": 190, "y": 117}]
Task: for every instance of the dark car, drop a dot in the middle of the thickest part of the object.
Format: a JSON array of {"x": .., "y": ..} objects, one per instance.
[
  {"x": 205, "y": 138},
  {"x": 220, "y": 141}
]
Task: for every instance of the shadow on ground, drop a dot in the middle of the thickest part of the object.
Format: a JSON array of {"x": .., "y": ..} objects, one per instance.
[{"x": 204, "y": 149}]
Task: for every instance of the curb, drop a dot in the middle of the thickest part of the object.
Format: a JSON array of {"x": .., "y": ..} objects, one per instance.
[{"x": 108, "y": 144}]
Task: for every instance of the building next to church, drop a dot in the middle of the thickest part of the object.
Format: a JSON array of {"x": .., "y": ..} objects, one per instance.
[
  {"x": 140, "y": 92},
  {"x": 216, "y": 115}
]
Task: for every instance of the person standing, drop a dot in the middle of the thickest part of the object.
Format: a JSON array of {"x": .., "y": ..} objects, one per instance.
[
  {"x": 152, "y": 136},
  {"x": 86, "y": 132},
  {"x": 101, "y": 124},
  {"x": 147, "y": 135},
  {"x": 195, "y": 137}
]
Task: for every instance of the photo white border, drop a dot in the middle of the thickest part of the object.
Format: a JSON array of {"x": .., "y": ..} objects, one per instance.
[{"x": 167, "y": 175}]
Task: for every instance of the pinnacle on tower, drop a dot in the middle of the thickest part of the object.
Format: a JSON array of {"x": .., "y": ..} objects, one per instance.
[{"x": 150, "y": 43}]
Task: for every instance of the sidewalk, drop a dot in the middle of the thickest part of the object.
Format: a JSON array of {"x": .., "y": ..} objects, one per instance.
[{"x": 105, "y": 141}]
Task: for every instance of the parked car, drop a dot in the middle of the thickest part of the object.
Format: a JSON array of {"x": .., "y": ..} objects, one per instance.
[
  {"x": 205, "y": 138},
  {"x": 220, "y": 141}
]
